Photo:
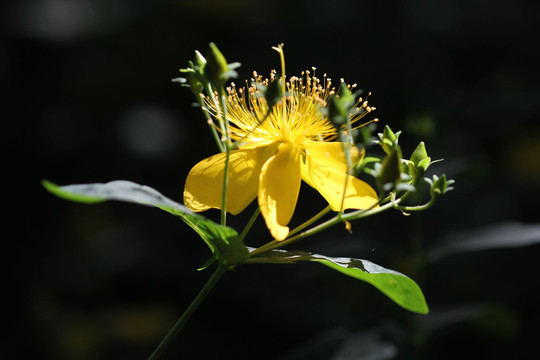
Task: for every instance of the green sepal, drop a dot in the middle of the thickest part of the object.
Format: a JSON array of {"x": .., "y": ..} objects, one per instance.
[
  {"x": 397, "y": 286},
  {"x": 223, "y": 241}
]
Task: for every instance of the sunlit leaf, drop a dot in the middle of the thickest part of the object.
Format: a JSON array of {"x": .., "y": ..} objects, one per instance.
[
  {"x": 398, "y": 287},
  {"x": 222, "y": 240}
]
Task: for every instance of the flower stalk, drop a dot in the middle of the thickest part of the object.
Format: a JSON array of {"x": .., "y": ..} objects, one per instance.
[{"x": 218, "y": 273}]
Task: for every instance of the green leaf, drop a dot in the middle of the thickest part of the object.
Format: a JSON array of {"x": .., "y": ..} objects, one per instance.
[
  {"x": 223, "y": 241},
  {"x": 66, "y": 193},
  {"x": 398, "y": 287}
]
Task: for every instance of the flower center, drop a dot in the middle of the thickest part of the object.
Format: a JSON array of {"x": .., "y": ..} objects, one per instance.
[{"x": 299, "y": 116}]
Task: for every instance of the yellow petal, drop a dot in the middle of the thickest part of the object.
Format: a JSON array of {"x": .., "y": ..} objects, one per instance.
[
  {"x": 204, "y": 184},
  {"x": 329, "y": 181},
  {"x": 279, "y": 185},
  {"x": 332, "y": 154}
]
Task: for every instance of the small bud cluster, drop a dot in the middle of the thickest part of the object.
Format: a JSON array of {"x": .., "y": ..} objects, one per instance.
[
  {"x": 212, "y": 70},
  {"x": 345, "y": 108},
  {"x": 395, "y": 173}
]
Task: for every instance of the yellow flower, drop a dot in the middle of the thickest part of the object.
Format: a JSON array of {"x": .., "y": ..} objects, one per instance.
[{"x": 293, "y": 143}]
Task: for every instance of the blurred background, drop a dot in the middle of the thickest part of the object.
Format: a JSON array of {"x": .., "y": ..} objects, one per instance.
[{"x": 87, "y": 97}]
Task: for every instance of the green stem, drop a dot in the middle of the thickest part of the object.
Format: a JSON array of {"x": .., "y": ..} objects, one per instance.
[
  {"x": 221, "y": 115},
  {"x": 221, "y": 121},
  {"x": 187, "y": 314},
  {"x": 347, "y": 149},
  {"x": 419, "y": 207},
  {"x": 250, "y": 223},
  {"x": 228, "y": 147},
  {"x": 310, "y": 221},
  {"x": 359, "y": 214},
  {"x": 329, "y": 223},
  {"x": 223, "y": 104},
  {"x": 210, "y": 123},
  {"x": 224, "y": 188}
]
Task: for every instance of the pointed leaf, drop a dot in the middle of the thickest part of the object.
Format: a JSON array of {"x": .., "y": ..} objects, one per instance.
[
  {"x": 222, "y": 240},
  {"x": 398, "y": 287}
]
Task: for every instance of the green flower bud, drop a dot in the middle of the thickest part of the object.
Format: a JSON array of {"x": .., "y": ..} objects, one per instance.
[
  {"x": 216, "y": 66},
  {"x": 389, "y": 134},
  {"x": 340, "y": 105},
  {"x": 194, "y": 74},
  {"x": 192, "y": 81},
  {"x": 346, "y": 97},
  {"x": 389, "y": 175},
  {"x": 337, "y": 112},
  {"x": 273, "y": 93},
  {"x": 439, "y": 185},
  {"x": 419, "y": 161},
  {"x": 388, "y": 140}
]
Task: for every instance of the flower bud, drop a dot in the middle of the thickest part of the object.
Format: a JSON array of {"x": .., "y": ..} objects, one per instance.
[
  {"x": 419, "y": 161},
  {"x": 273, "y": 93},
  {"x": 216, "y": 66},
  {"x": 194, "y": 74},
  {"x": 389, "y": 174},
  {"x": 340, "y": 105},
  {"x": 337, "y": 113},
  {"x": 388, "y": 140},
  {"x": 346, "y": 97},
  {"x": 194, "y": 83},
  {"x": 439, "y": 185}
]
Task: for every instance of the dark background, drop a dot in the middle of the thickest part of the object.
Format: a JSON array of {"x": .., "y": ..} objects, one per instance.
[{"x": 87, "y": 97}]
